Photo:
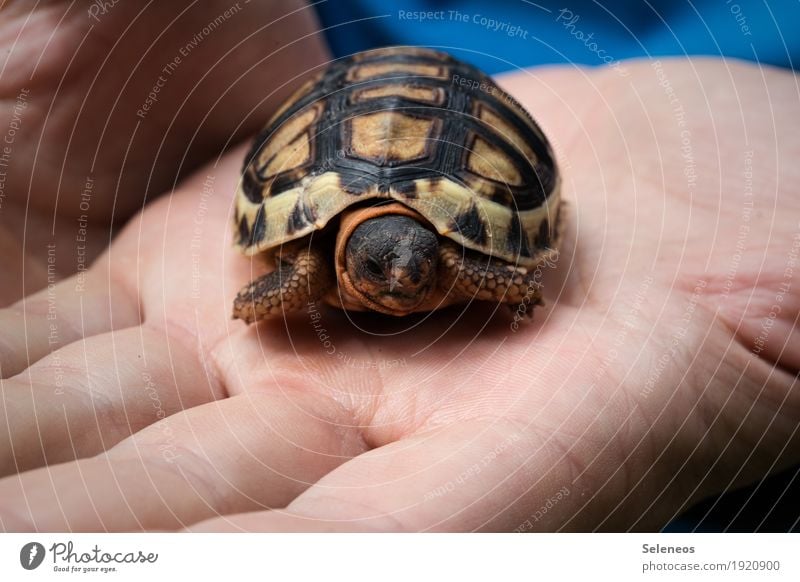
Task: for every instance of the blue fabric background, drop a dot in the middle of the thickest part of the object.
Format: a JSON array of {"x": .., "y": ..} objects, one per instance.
[
  {"x": 534, "y": 33},
  {"x": 620, "y": 29}
]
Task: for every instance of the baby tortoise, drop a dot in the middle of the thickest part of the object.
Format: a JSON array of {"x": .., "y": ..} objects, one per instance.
[{"x": 397, "y": 180}]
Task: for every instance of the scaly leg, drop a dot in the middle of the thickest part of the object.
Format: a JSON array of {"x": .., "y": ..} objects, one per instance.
[
  {"x": 300, "y": 279},
  {"x": 469, "y": 276}
]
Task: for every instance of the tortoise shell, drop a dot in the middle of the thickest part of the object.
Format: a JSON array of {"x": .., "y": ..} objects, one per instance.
[{"x": 412, "y": 125}]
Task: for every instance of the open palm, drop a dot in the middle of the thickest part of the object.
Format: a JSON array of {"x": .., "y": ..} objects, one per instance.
[{"x": 646, "y": 383}]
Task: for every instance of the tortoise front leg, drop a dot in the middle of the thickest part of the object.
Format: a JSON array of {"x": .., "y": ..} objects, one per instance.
[
  {"x": 300, "y": 279},
  {"x": 466, "y": 276}
]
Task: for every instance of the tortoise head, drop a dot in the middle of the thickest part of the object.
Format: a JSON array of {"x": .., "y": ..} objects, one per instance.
[{"x": 391, "y": 263}]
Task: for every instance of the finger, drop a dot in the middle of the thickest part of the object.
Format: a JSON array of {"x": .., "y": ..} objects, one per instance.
[
  {"x": 769, "y": 329},
  {"x": 470, "y": 476},
  {"x": 244, "y": 453},
  {"x": 178, "y": 254},
  {"x": 88, "y": 396},
  {"x": 168, "y": 262},
  {"x": 181, "y": 294},
  {"x": 28, "y": 273},
  {"x": 86, "y": 304}
]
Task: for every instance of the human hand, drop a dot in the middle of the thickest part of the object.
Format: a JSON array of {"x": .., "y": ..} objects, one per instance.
[
  {"x": 647, "y": 382},
  {"x": 107, "y": 104}
]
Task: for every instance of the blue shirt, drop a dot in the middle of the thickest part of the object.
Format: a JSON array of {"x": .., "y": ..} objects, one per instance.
[{"x": 503, "y": 35}]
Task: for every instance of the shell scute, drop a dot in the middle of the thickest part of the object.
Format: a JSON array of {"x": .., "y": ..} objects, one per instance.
[{"x": 397, "y": 123}]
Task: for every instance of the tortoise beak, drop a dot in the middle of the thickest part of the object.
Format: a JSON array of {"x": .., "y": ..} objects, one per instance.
[
  {"x": 396, "y": 277},
  {"x": 404, "y": 274}
]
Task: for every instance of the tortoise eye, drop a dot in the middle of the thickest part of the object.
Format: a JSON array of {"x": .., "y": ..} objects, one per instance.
[{"x": 374, "y": 267}]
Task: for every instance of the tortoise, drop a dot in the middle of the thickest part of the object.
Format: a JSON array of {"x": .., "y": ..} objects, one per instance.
[{"x": 397, "y": 180}]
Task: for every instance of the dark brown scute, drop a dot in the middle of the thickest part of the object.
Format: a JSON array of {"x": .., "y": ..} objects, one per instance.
[
  {"x": 408, "y": 188},
  {"x": 502, "y": 195},
  {"x": 543, "y": 238},
  {"x": 244, "y": 232},
  {"x": 470, "y": 225},
  {"x": 300, "y": 217},
  {"x": 252, "y": 188},
  {"x": 259, "y": 227},
  {"x": 517, "y": 242}
]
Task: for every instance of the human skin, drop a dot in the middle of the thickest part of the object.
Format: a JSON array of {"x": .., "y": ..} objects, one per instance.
[
  {"x": 646, "y": 383},
  {"x": 88, "y": 74}
]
